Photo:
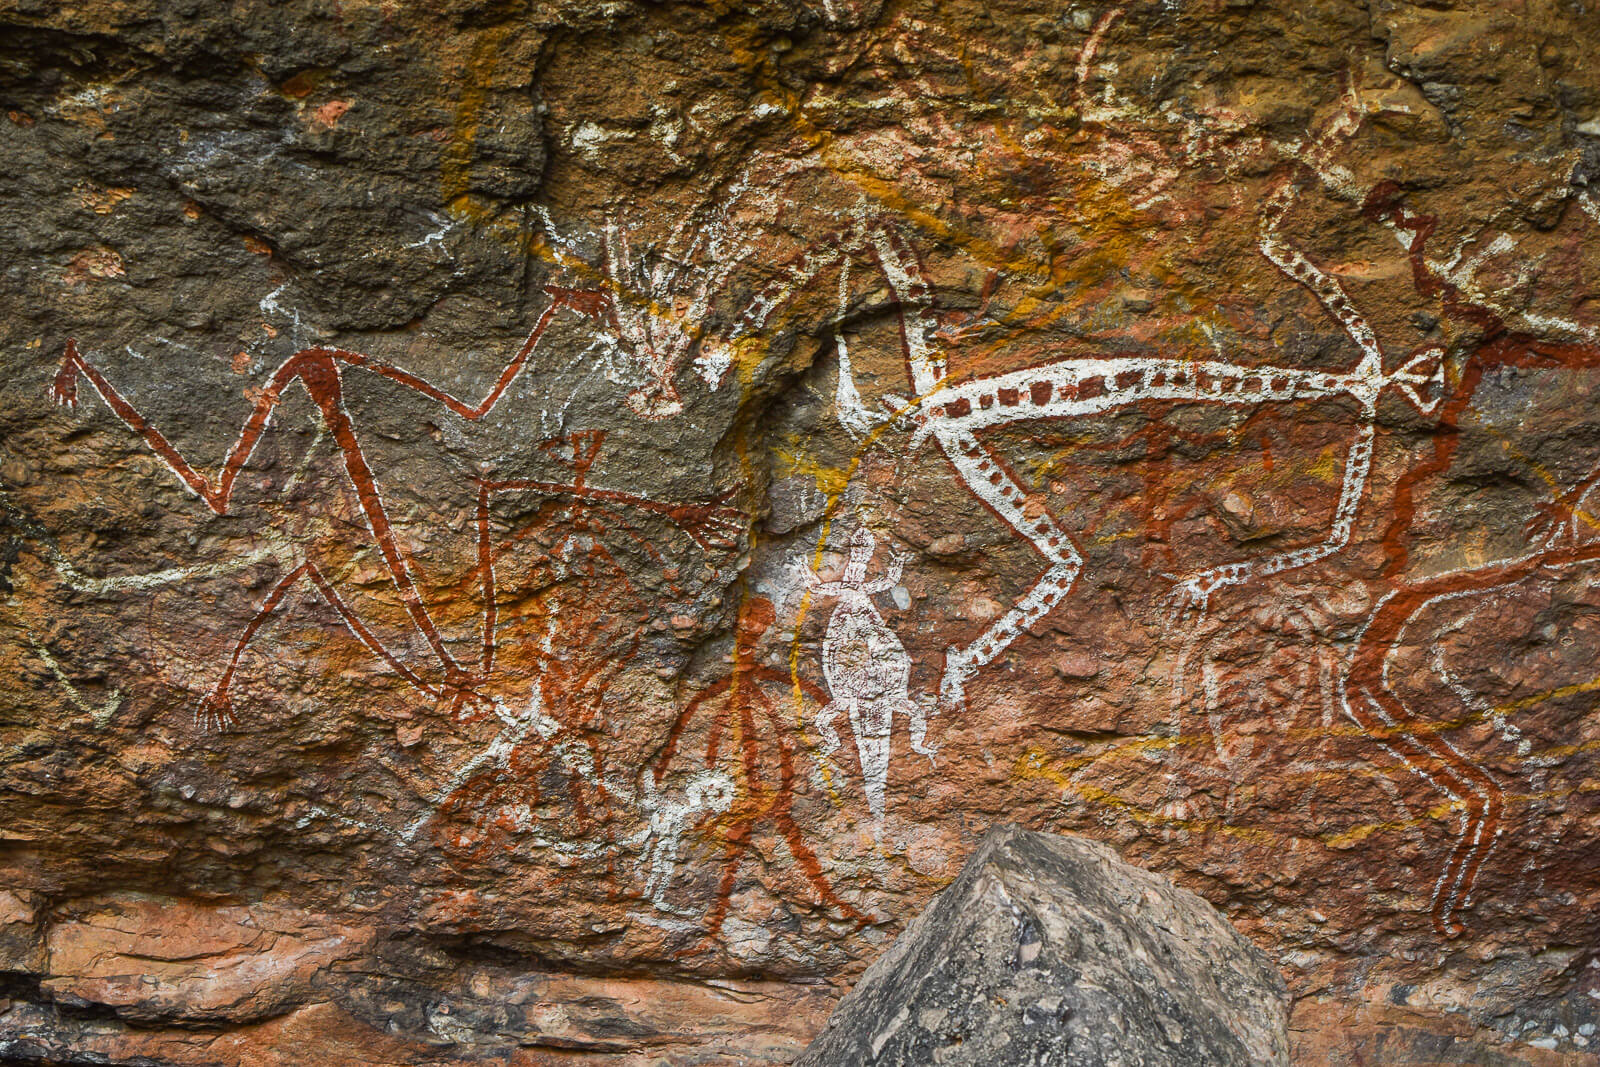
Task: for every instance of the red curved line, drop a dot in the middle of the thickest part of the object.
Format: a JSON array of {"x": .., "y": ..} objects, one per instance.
[{"x": 1381, "y": 636}]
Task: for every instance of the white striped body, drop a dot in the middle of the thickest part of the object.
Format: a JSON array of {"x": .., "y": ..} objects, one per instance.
[{"x": 1080, "y": 387}]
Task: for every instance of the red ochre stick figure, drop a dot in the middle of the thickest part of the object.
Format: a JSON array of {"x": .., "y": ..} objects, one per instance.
[
  {"x": 320, "y": 372},
  {"x": 1498, "y": 346},
  {"x": 584, "y": 635},
  {"x": 1372, "y": 701},
  {"x": 747, "y": 718}
]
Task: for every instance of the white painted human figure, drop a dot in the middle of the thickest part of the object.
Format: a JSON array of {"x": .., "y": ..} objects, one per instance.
[
  {"x": 707, "y": 791},
  {"x": 667, "y": 814},
  {"x": 951, "y": 412},
  {"x": 867, "y": 669}
]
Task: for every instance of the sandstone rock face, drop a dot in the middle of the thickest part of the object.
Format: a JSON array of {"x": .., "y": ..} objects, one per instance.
[
  {"x": 1051, "y": 950},
  {"x": 580, "y": 513},
  {"x": 152, "y": 960}
]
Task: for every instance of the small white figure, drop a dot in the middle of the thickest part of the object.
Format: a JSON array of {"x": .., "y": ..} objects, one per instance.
[
  {"x": 708, "y": 791},
  {"x": 866, "y": 667}
]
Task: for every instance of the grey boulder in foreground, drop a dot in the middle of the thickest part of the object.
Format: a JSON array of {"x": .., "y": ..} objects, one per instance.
[{"x": 1051, "y": 950}]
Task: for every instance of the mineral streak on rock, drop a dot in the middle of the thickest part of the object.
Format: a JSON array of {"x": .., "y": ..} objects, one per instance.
[
  {"x": 1050, "y": 949},
  {"x": 437, "y": 442}
]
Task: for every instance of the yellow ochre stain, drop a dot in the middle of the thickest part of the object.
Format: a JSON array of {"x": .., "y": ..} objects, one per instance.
[{"x": 798, "y": 461}]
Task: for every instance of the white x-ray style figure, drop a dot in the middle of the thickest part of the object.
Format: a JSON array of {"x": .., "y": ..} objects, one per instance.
[{"x": 867, "y": 669}]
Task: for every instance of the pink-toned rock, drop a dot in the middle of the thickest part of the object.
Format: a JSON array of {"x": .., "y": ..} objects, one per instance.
[
  {"x": 21, "y": 943},
  {"x": 1326, "y": 1032},
  {"x": 154, "y": 960}
]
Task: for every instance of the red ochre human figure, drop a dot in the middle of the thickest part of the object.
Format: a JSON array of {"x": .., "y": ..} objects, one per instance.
[
  {"x": 1369, "y": 697},
  {"x": 747, "y": 718},
  {"x": 320, "y": 372},
  {"x": 582, "y": 636}
]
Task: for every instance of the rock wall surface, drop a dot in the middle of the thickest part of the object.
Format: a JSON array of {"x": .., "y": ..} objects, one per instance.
[{"x": 544, "y": 528}]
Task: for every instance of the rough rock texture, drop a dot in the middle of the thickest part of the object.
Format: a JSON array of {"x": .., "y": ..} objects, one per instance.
[
  {"x": 1051, "y": 950},
  {"x": 550, "y": 528}
]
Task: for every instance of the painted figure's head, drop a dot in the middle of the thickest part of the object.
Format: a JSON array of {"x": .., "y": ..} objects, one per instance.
[{"x": 862, "y": 545}]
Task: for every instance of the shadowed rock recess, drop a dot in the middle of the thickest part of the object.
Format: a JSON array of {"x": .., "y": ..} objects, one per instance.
[
  {"x": 544, "y": 531},
  {"x": 1051, "y": 950}
]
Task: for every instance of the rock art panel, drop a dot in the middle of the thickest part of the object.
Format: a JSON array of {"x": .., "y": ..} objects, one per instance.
[{"x": 591, "y": 495}]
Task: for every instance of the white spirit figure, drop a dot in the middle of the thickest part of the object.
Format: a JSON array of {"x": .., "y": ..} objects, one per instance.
[
  {"x": 707, "y": 793},
  {"x": 953, "y": 411},
  {"x": 866, "y": 667}
]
